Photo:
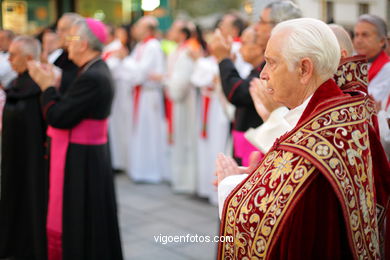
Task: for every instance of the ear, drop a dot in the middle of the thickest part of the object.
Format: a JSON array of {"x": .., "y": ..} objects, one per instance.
[
  {"x": 306, "y": 70},
  {"x": 344, "y": 53}
]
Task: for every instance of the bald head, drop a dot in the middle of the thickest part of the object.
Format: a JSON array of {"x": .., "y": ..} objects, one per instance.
[{"x": 344, "y": 40}]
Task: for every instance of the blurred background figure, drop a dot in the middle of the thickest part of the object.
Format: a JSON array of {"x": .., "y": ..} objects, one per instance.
[
  {"x": 182, "y": 93},
  {"x": 118, "y": 46},
  {"x": 232, "y": 26},
  {"x": 147, "y": 148},
  {"x": 370, "y": 39},
  {"x": 7, "y": 74},
  {"x": 51, "y": 47},
  {"x": 23, "y": 191}
]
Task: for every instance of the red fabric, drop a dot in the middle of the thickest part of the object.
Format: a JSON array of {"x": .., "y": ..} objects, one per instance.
[
  {"x": 307, "y": 235},
  {"x": 54, "y": 245},
  {"x": 328, "y": 91},
  {"x": 148, "y": 39},
  {"x": 87, "y": 132},
  {"x": 237, "y": 39},
  {"x": 304, "y": 232},
  {"x": 235, "y": 86},
  {"x": 169, "y": 117},
  {"x": 377, "y": 65},
  {"x": 136, "y": 100},
  {"x": 205, "y": 115},
  {"x": 107, "y": 55}
]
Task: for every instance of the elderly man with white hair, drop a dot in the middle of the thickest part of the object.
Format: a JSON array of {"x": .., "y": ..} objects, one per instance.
[
  {"x": 313, "y": 195},
  {"x": 23, "y": 181},
  {"x": 81, "y": 220}
]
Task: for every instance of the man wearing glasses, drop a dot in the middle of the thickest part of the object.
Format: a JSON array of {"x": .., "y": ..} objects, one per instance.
[{"x": 81, "y": 220}]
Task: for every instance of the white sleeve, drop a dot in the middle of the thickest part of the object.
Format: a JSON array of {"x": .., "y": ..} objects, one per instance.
[
  {"x": 123, "y": 70},
  {"x": 379, "y": 87},
  {"x": 178, "y": 84},
  {"x": 226, "y": 186},
  {"x": 7, "y": 74},
  {"x": 204, "y": 73},
  {"x": 151, "y": 62},
  {"x": 264, "y": 136}
]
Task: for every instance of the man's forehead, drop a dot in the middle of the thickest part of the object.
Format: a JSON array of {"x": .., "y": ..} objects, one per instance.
[
  {"x": 274, "y": 44},
  {"x": 365, "y": 26},
  {"x": 13, "y": 46}
]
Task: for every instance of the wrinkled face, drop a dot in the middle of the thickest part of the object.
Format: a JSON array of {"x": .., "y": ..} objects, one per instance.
[
  {"x": 264, "y": 27},
  {"x": 17, "y": 58},
  {"x": 250, "y": 49},
  {"x": 366, "y": 40},
  {"x": 76, "y": 45},
  {"x": 282, "y": 84},
  {"x": 226, "y": 26},
  {"x": 63, "y": 31}
]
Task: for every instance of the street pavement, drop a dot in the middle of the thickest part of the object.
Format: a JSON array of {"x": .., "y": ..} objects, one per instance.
[{"x": 153, "y": 211}]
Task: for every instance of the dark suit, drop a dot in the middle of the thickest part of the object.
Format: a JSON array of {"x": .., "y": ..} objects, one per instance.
[
  {"x": 236, "y": 91},
  {"x": 69, "y": 70}
]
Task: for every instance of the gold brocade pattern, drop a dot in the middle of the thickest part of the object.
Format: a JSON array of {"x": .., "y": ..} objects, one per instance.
[{"x": 337, "y": 142}]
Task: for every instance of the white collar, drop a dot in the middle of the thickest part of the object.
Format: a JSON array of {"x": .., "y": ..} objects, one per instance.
[{"x": 292, "y": 117}]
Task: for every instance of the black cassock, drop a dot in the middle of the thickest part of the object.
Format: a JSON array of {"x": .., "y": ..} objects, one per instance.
[
  {"x": 23, "y": 180},
  {"x": 90, "y": 226},
  {"x": 69, "y": 70}
]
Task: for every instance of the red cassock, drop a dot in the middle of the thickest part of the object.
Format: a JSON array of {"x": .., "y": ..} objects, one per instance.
[{"x": 321, "y": 192}]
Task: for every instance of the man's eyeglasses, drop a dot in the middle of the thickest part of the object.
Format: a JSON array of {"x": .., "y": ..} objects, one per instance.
[{"x": 72, "y": 38}]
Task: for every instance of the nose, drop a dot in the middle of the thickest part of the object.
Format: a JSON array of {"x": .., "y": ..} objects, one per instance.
[{"x": 264, "y": 73}]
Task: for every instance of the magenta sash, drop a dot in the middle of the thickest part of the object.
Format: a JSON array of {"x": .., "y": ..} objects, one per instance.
[
  {"x": 242, "y": 147},
  {"x": 87, "y": 132}
]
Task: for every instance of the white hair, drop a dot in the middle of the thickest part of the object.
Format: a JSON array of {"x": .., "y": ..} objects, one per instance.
[
  {"x": 283, "y": 11},
  {"x": 313, "y": 39},
  {"x": 29, "y": 46},
  {"x": 93, "y": 42}
]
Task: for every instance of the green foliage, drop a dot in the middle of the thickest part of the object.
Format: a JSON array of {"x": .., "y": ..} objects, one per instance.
[{"x": 197, "y": 8}]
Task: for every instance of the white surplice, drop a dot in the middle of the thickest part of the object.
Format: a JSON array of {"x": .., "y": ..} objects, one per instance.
[
  {"x": 121, "y": 111},
  {"x": 217, "y": 131},
  {"x": 182, "y": 93},
  {"x": 379, "y": 86},
  {"x": 147, "y": 154},
  {"x": 7, "y": 74},
  {"x": 243, "y": 67}
]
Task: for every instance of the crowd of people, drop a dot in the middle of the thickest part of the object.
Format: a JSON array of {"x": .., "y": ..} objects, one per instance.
[{"x": 283, "y": 123}]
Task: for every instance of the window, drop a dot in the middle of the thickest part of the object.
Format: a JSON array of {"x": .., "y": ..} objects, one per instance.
[
  {"x": 364, "y": 8},
  {"x": 330, "y": 12}
]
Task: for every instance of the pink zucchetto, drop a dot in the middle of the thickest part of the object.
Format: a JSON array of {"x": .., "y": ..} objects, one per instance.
[{"x": 98, "y": 29}]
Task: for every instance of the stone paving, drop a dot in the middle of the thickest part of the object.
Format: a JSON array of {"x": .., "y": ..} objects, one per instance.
[{"x": 149, "y": 210}]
